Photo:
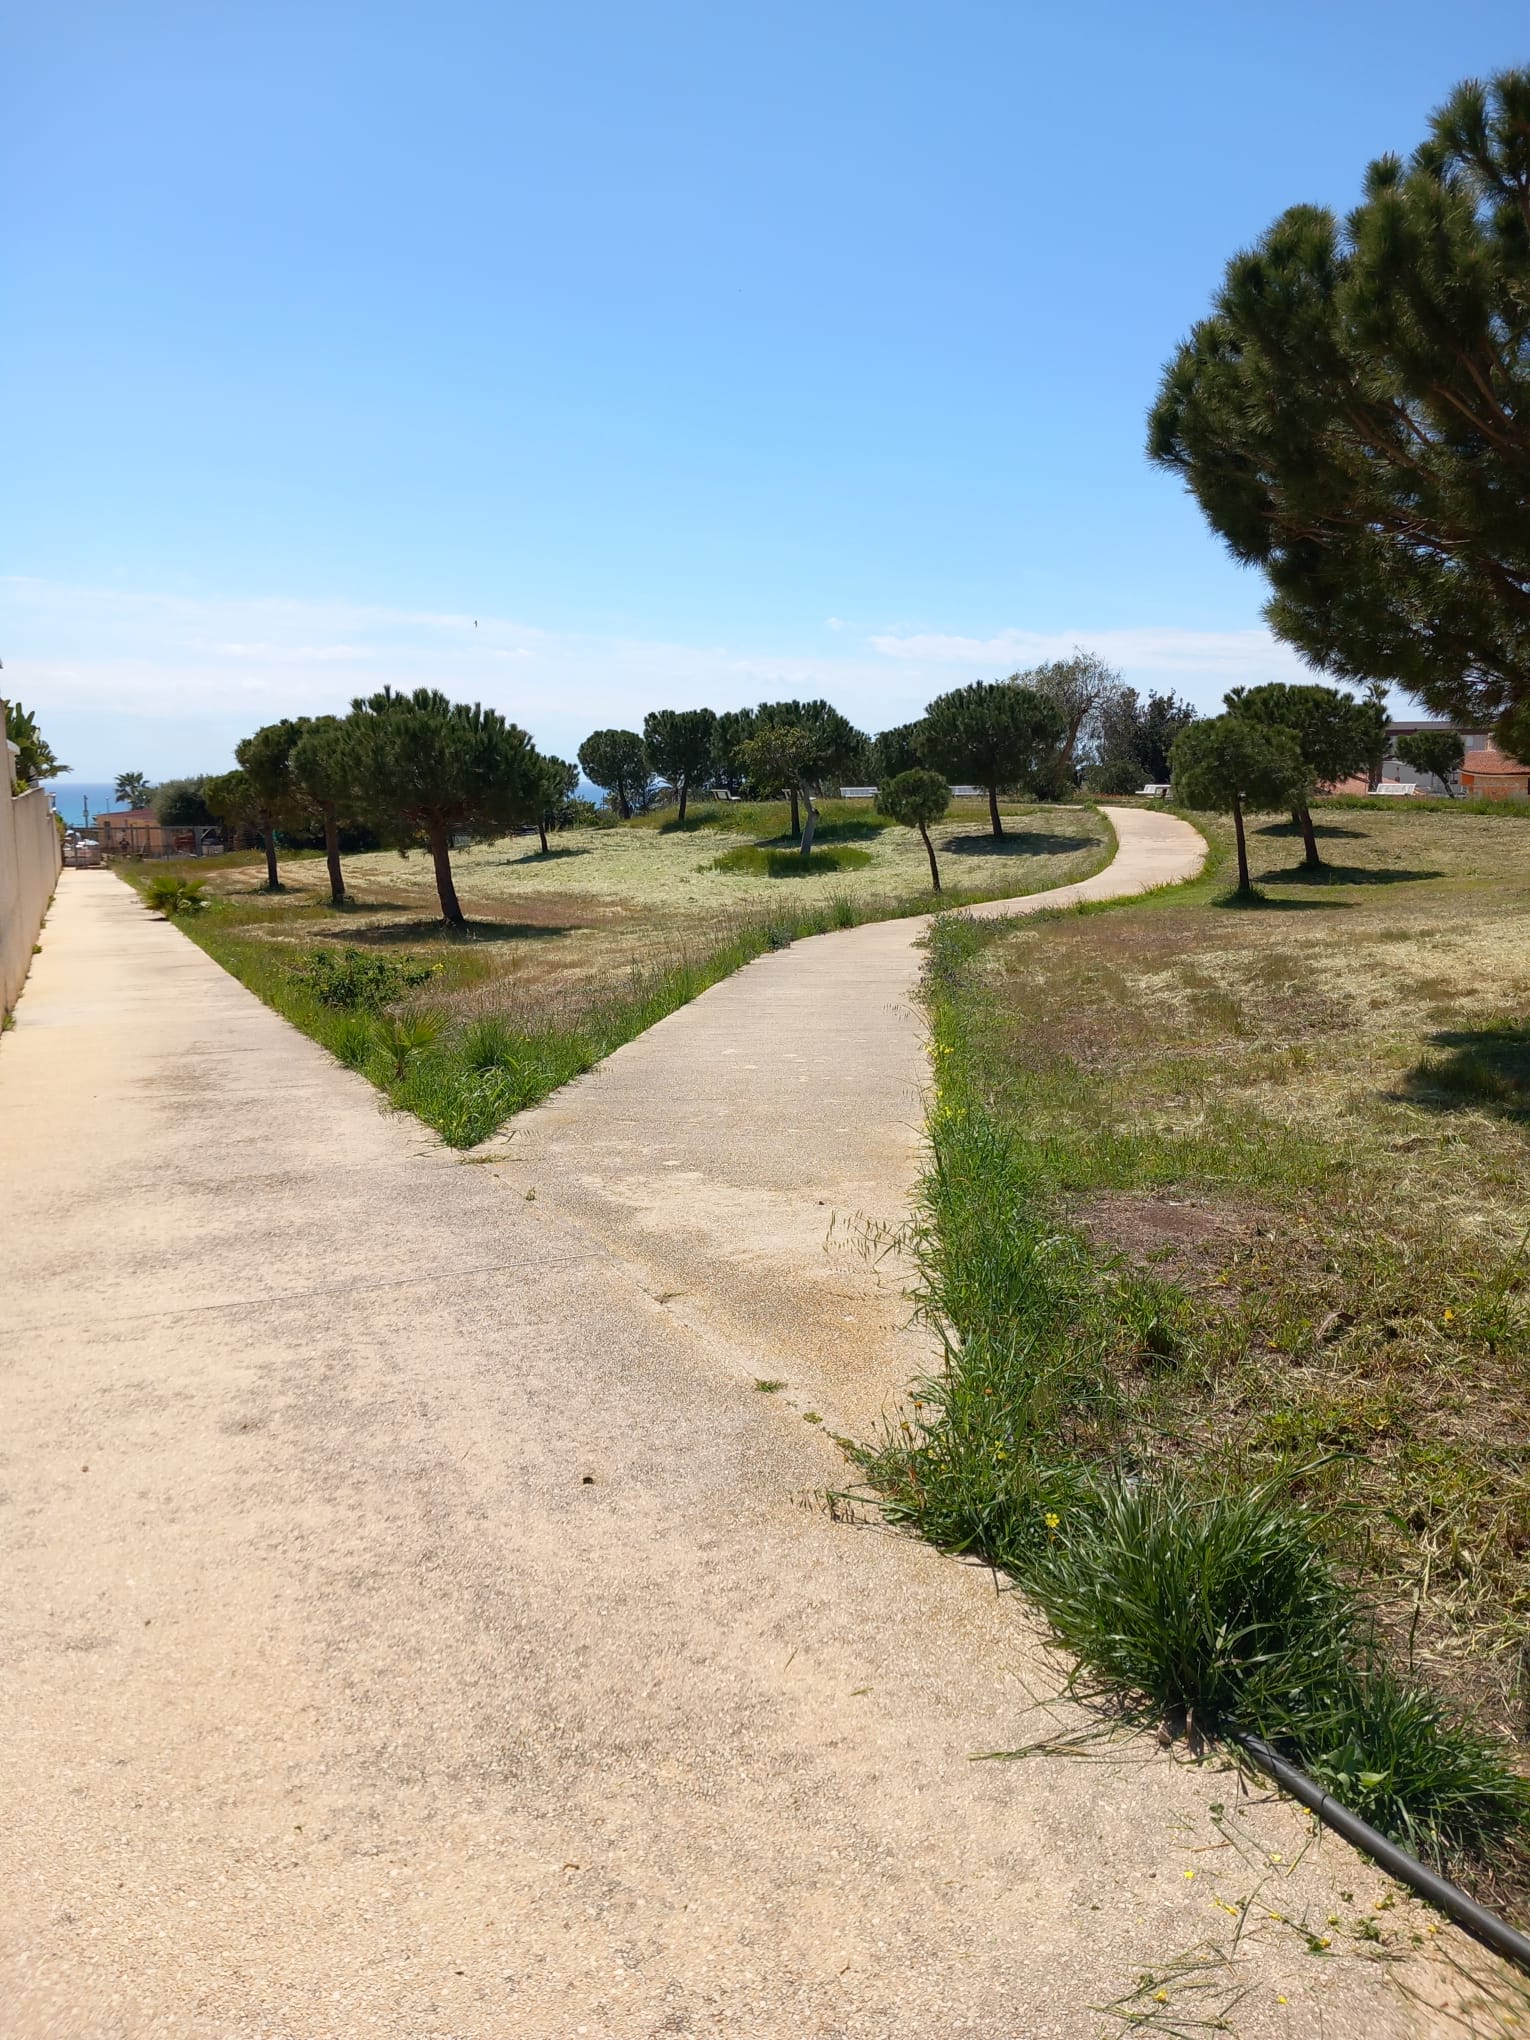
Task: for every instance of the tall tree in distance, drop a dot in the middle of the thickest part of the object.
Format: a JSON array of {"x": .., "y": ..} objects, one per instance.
[
  {"x": 1230, "y": 764},
  {"x": 1334, "y": 732},
  {"x": 1133, "y": 739},
  {"x": 780, "y": 758},
  {"x": 422, "y": 769},
  {"x": 838, "y": 747},
  {"x": 558, "y": 782},
  {"x": 916, "y": 798},
  {"x": 321, "y": 780},
  {"x": 265, "y": 759},
  {"x": 994, "y": 734},
  {"x": 231, "y": 801},
  {"x": 133, "y": 788},
  {"x": 1441, "y": 753},
  {"x": 617, "y": 762},
  {"x": 1354, "y": 416},
  {"x": 682, "y": 747},
  {"x": 1080, "y": 688},
  {"x": 735, "y": 726},
  {"x": 897, "y": 750}
]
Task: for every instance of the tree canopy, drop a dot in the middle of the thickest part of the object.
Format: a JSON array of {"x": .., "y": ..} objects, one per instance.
[
  {"x": 838, "y": 747},
  {"x": 1440, "y": 752},
  {"x": 1133, "y": 739},
  {"x": 321, "y": 782},
  {"x": 778, "y": 758},
  {"x": 35, "y": 759},
  {"x": 900, "y": 749},
  {"x": 617, "y": 762},
  {"x": 1354, "y": 415},
  {"x": 993, "y": 733},
  {"x": 1081, "y": 688},
  {"x": 132, "y": 787},
  {"x": 265, "y": 759},
  {"x": 682, "y": 747},
  {"x": 916, "y": 798},
  {"x": 558, "y": 782},
  {"x": 1334, "y": 732},
  {"x": 182, "y": 803},
  {"x": 1229, "y": 764},
  {"x": 423, "y": 769}
]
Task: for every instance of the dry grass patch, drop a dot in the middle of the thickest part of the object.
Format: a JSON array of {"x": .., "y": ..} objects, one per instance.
[{"x": 1301, "y": 1132}]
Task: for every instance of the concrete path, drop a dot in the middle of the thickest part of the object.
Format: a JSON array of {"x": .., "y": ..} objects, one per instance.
[{"x": 418, "y": 1622}]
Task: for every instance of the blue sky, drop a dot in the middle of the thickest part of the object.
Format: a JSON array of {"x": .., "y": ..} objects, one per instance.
[{"x": 698, "y": 352}]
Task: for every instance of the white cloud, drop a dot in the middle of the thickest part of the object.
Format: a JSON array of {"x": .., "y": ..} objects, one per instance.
[{"x": 169, "y": 683}]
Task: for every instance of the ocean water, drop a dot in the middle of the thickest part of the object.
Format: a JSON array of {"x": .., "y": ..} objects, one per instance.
[{"x": 70, "y": 796}]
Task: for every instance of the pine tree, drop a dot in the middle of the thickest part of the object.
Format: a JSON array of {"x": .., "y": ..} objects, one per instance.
[{"x": 1354, "y": 415}]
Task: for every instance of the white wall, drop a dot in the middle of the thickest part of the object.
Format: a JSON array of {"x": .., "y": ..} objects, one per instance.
[{"x": 30, "y": 859}]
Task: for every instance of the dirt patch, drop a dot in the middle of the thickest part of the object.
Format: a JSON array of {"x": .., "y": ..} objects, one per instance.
[{"x": 1176, "y": 1236}]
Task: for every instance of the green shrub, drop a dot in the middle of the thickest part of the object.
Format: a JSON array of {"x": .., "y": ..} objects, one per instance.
[
  {"x": 491, "y": 1044},
  {"x": 355, "y": 981},
  {"x": 171, "y": 896},
  {"x": 399, "y": 1040}
]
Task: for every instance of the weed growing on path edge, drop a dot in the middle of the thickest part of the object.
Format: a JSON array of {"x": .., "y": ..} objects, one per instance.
[{"x": 1188, "y": 1575}]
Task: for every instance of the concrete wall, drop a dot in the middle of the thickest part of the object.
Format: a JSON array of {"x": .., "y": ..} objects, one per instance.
[{"x": 30, "y": 860}]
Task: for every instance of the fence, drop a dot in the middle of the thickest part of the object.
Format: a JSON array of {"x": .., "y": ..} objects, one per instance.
[{"x": 29, "y": 866}]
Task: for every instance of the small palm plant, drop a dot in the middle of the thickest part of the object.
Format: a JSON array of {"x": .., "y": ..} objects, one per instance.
[{"x": 171, "y": 896}]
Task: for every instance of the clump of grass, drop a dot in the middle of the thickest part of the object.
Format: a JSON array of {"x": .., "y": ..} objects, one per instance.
[
  {"x": 170, "y": 895},
  {"x": 352, "y": 980},
  {"x": 761, "y": 859}
]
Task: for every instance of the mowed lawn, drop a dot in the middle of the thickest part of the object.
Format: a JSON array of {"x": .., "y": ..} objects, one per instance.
[
  {"x": 631, "y": 896},
  {"x": 1295, "y": 1139},
  {"x": 572, "y": 952}
]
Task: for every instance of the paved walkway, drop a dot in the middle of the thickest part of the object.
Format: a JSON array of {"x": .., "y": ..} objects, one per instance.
[{"x": 420, "y": 1625}]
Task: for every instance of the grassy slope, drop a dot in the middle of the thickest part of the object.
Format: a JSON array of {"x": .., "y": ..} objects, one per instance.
[
  {"x": 1234, "y": 1201},
  {"x": 558, "y": 969}
]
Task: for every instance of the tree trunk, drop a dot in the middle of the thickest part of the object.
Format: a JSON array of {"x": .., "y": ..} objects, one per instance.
[
  {"x": 441, "y": 857},
  {"x": 268, "y": 830},
  {"x": 623, "y": 805},
  {"x": 796, "y": 812},
  {"x": 1309, "y": 837},
  {"x": 332, "y": 858},
  {"x": 684, "y": 790},
  {"x": 993, "y": 810},
  {"x": 542, "y": 831},
  {"x": 1243, "y": 884},
  {"x": 807, "y": 833},
  {"x": 929, "y": 851}
]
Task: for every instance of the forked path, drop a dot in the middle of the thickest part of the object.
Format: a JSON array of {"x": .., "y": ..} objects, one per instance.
[{"x": 418, "y": 1623}]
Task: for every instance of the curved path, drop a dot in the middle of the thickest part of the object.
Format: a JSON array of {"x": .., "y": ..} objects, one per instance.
[{"x": 419, "y": 1624}]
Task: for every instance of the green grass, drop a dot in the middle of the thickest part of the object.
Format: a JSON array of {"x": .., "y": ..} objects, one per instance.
[
  {"x": 466, "y": 1030},
  {"x": 1234, "y": 1392},
  {"x": 786, "y": 863}
]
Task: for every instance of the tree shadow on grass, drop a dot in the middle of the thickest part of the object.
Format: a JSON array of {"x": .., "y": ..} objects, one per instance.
[
  {"x": 553, "y": 854},
  {"x": 1345, "y": 874},
  {"x": 1294, "y": 829},
  {"x": 1483, "y": 1068},
  {"x": 392, "y": 934},
  {"x": 1023, "y": 843},
  {"x": 1256, "y": 902},
  {"x": 827, "y": 833}
]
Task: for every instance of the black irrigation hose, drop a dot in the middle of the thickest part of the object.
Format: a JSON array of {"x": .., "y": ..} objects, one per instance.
[{"x": 1483, "y": 1925}]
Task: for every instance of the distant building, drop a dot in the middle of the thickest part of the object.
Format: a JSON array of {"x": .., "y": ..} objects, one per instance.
[
  {"x": 138, "y": 832},
  {"x": 1486, "y": 774}
]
